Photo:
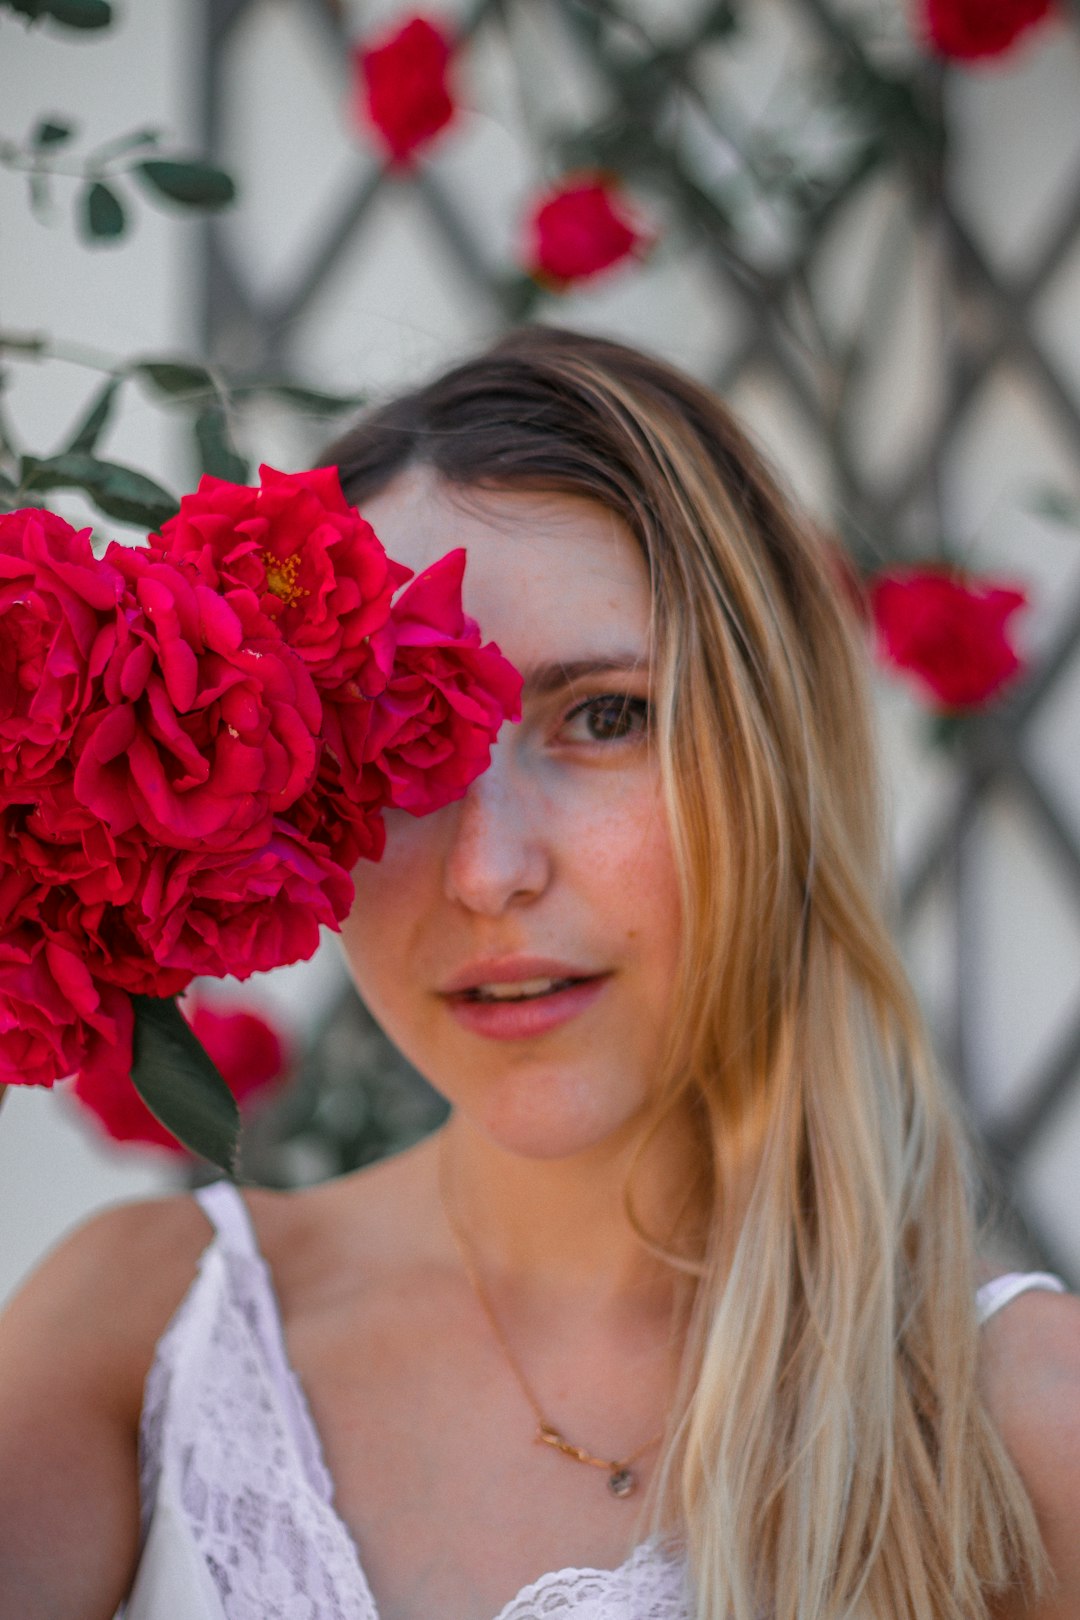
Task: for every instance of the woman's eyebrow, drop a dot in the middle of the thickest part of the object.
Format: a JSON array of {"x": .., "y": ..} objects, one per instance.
[{"x": 543, "y": 679}]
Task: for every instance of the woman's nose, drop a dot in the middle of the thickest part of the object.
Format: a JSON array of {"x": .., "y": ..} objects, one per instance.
[{"x": 498, "y": 856}]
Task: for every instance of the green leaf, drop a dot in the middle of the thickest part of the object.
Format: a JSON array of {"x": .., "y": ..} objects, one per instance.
[
  {"x": 218, "y": 455},
  {"x": 117, "y": 491},
  {"x": 32, "y": 344},
  {"x": 89, "y": 431},
  {"x": 174, "y": 1076},
  {"x": 177, "y": 379},
  {"x": 72, "y": 13},
  {"x": 81, "y": 13},
  {"x": 190, "y": 182},
  {"x": 102, "y": 215},
  {"x": 50, "y": 132}
]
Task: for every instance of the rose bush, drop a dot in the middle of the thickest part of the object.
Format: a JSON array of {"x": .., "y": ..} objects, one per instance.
[
  {"x": 948, "y": 630},
  {"x": 402, "y": 87}
]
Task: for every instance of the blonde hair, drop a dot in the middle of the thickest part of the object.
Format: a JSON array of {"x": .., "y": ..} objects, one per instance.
[{"x": 829, "y": 1454}]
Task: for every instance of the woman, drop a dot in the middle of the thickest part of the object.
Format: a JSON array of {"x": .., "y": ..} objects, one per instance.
[{"x": 678, "y": 1315}]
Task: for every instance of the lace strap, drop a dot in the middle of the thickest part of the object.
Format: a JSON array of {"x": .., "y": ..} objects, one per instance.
[
  {"x": 254, "y": 1289},
  {"x": 227, "y": 1213},
  {"x": 1000, "y": 1290}
]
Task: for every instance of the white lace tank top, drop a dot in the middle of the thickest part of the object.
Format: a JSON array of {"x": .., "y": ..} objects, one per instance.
[{"x": 238, "y": 1520}]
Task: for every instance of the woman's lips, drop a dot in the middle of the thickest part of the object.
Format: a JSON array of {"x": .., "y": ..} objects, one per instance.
[{"x": 522, "y": 1020}]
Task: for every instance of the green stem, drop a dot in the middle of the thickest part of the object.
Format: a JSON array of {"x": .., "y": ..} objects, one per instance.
[{"x": 36, "y": 346}]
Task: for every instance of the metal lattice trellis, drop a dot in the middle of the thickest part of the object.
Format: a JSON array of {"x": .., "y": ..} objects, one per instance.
[{"x": 649, "y": 93}]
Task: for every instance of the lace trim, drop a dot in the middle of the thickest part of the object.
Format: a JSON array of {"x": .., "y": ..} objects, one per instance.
[
  {"x": 213, "y": 1418},
  {"x": 650, "y": 1585}
]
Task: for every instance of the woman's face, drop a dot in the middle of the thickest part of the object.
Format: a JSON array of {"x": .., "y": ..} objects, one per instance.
[{"x": 553, "y": 880}]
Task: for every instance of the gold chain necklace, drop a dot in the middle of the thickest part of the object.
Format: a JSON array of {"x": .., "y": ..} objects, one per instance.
[{"x": 622, "y": 1480}]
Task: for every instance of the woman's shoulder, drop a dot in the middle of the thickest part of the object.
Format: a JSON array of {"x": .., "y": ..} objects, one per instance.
[
  {"x": 1030, "y": 1355},
  {"x": 353, "y": 1231},
  {"x": 76, "y": 1342},
  {"x": 114, "y": 1280},
  {"x": 1030, "y": 1376}
]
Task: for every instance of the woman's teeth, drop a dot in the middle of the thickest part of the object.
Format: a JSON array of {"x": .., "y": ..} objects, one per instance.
[{"x": 524, "y": 990}]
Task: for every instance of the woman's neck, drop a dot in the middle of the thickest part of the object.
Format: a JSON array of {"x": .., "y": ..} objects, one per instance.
[{"x": 560, "y": 1227}]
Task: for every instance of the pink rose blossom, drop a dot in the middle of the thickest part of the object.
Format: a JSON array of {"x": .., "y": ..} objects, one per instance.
[
  {"x": 949, "y": 630},
  {"x": 65, "y": 845},
  {"x": 56, "y": 603},
  {"x": 242, "y": 913},
  {"x": 402, "y": 86},
  {"x": 54, "y": 1015},
  {"x": 429, "y": 735},
  {"x": 205, "y": 728},
  {"x": 348, "y": 825},
  {"x": 976, "y": 30},
  {"x": 580, "y": 229},
  {"x": 313, "y": 565}
]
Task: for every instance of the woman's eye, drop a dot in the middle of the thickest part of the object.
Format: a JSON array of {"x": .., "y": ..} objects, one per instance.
[{"x": 612, "y": 717}]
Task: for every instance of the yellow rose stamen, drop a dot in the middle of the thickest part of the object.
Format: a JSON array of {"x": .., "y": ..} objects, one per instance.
[{"x": 281, "y": 575}]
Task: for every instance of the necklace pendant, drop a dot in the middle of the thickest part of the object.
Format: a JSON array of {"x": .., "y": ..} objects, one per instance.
[{"x": 622, "y": 1481}]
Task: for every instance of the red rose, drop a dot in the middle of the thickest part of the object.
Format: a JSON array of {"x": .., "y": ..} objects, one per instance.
[
  {"x": 430, "y": 733},
  {"x": 401, "y": 86},
  {"x": 104, "y": 935},
  {"x": 315, "y": 568},
  {"x": 248, "y": 1052},
  {"x": 578, "y": 230},
  {"x": 970, "y": 29},
  {"x": 949, "y": 631},
  {"x": 63, "y": 843},
  {"x": 59, "y": 893},
  {"x": 242, "y": 913},
  {"x": 54, "y": 1015},
  {"x": 21, "y": 891},
  {"x": 205, "y": 727},
  {"x": 347, "y": 824},
  {"x": 56, "y": 600}
]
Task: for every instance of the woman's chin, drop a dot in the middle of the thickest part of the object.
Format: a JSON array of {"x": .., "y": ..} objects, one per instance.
[{"x": 544, "y": 1123}]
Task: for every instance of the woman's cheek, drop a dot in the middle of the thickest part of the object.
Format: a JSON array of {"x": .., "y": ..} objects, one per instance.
[{"x": 380, "y": 931}]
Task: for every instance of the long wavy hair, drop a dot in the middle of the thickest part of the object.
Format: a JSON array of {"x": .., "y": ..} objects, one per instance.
[{"x": 829, "y": 1454}]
